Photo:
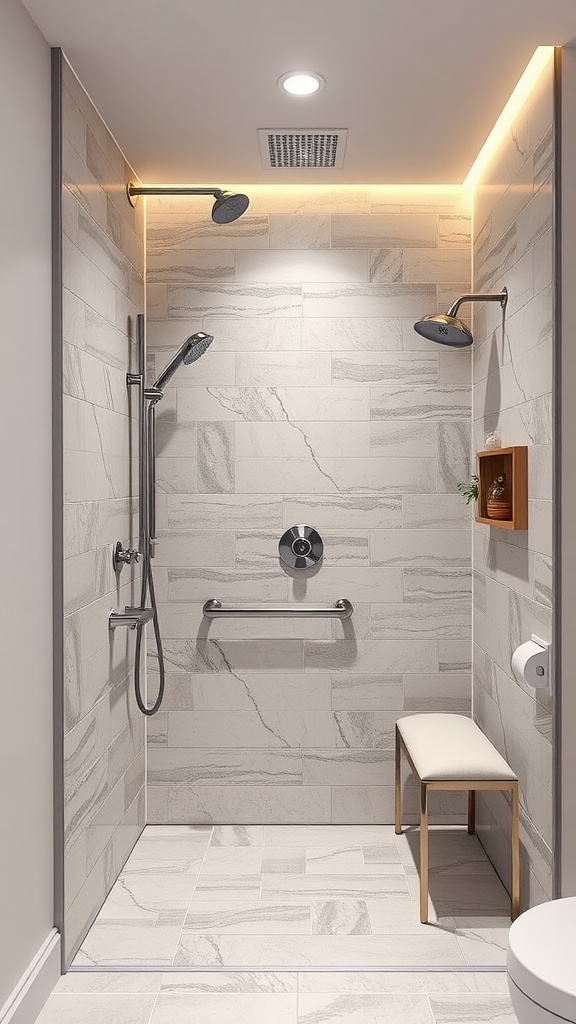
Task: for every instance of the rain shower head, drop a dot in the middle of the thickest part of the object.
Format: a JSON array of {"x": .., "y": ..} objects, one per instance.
[
  {"x": 448, "y": 329},
  {"x": 229, "y": 206},
  {"x": 445, "y": 329},
  {"x": 194, "y": 347}
]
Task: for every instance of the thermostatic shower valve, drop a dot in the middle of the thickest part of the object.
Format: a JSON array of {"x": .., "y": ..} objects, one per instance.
[{"x": 301, "y": 547}]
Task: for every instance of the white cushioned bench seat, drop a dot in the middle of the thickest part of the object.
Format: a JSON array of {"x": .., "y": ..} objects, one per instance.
[
  {"x": 450, "y": 752},
  {"x": 450, "y": 747}
]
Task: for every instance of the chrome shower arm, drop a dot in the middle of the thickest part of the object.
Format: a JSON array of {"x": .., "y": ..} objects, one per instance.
[
  {"x": 171, "y": 190},
  {"x": 501, "y": 297}
]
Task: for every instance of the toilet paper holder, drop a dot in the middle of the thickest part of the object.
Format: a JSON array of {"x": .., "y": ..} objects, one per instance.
[{"x": 531, "y": 664}]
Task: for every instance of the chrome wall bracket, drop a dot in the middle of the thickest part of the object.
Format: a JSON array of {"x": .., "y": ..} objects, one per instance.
[{"x": 130, "y": 617}]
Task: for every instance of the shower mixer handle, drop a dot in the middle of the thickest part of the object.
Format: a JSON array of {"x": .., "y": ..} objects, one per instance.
[{"x": 124, "y": 556}]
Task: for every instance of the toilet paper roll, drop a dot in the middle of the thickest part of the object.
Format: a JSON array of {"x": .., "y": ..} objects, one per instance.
[{"x": 530, "y": 665}]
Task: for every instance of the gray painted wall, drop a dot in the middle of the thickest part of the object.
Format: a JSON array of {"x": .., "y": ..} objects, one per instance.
[{"x": 26, "y": 881}]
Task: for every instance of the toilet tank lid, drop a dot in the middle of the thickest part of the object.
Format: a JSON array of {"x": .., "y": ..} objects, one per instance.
[{"x": 542, "y": 956}]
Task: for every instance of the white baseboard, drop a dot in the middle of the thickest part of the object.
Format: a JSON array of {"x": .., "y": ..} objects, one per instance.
[{"x": 28, "y": 997}]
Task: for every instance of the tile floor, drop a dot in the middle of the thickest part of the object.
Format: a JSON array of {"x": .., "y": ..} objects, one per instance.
[
  {"x": 265, "y": 897},
  {"x": 285, "y": 998}
]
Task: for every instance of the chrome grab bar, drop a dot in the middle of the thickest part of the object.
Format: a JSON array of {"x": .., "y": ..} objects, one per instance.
[
  {"x": 342, "y": 609},
  {"x": 130, "y": 617}
]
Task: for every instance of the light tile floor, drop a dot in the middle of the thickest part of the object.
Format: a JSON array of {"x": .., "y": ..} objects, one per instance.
[
  {"x": 296, "y": 897},
  {"x": 285, "y": 998}
]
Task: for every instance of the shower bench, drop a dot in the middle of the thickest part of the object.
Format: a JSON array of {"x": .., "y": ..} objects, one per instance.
[{"x": 450, "y": 752}]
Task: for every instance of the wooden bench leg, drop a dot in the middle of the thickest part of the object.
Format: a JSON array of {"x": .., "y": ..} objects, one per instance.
[
  {"x": 471, "y": 811},
  {"x": 423, "y": 853},
  {"x": 514, "y": 855},
  {"x": 398, "y": 787}
]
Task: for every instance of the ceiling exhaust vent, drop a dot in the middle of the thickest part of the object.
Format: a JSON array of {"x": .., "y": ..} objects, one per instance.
[{"x": 302, "y": 147}]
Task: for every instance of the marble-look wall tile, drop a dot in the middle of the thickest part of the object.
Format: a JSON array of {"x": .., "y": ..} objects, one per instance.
[
  {"x": 250, "y": 334},
  {"x": 356, "y": 300},
  {"x": 425, "y": 265},
  {"x": 201, "y": 767},
  {"x": 187, "y": 231},
  {"x": 386, "y": 230},
  {"x": 386, "y": 265},
  {"x": 184, "y": 301},
  {"x": 192, "y": 266},
  {"x": 304, "y": 265},
  {"x": 374, "y": 368},
  {"x": 431, "y": 403},
  {"x": 279, "y": 692},
  {"x": 215, "y": 458},
  {"x": 317, "y": 403},
  {"x": 103, "y": 263},
  {"x": 300, "y": 231},
  {"x": 336, "y": 334},
  {"x": 392, "y": 475},
  {"x": 223, "y": 512},
  {"x": 238, "y": 805},
  {"x": 366, "y": 692},
  {"x": 283, "y": 369},
  {"x": 369, "y": 511},
  {"x": 274, "y": 403},
  {"x": 512, "y": 393},
  {"x": 295, "y": 438}
]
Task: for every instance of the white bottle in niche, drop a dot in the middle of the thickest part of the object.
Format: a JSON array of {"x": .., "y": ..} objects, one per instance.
[{"x": 493, "y": 440}]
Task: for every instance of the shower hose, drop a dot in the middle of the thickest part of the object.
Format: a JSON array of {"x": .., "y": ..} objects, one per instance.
[{"x": 148, "y": 586}]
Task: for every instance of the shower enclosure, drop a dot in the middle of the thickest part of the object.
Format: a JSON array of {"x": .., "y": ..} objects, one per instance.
[{"x": 266, "y": 776}]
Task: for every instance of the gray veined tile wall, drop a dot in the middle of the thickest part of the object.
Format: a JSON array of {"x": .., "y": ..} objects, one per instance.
[
  {"x": 103, "y": 268},
  {"x": 512, "y": 392},
  {"x": 316, "y": 403}
]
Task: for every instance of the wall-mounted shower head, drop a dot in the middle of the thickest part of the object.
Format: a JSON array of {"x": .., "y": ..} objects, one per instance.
[
  {"x": 228, "y": 206},
  {"x": 445, "y": 329},
  {"x": 448, "y": 329},
  {"x": 194, "y": 347}
]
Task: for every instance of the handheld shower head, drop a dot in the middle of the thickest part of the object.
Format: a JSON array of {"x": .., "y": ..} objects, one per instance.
[
  {"x": 197, "y": 345},
  {"x": 194, "y": 347},
  {"x": 229, "y": 206}
]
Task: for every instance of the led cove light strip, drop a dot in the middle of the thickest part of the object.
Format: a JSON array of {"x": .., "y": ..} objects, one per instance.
[{"x": 526, "y": 83}]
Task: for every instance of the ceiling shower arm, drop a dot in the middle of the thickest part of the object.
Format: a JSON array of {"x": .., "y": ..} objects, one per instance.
[{"x": 501, "y": 297}]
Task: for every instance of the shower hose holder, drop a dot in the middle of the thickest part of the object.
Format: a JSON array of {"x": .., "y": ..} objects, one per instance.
[{"x": 130, "y": 617}]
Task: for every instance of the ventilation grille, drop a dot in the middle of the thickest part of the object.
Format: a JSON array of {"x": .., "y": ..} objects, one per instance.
[{"x": 302, "y": 147}]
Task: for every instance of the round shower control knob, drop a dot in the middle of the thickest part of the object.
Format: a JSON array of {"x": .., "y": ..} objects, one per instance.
[{"x": 301, "y": 547}]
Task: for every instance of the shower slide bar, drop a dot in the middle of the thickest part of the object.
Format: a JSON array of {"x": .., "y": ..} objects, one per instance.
[{"x": 342, "y": 609}]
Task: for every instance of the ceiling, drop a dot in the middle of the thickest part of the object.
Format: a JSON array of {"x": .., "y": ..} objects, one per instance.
[{"x": 185, "y": 84}]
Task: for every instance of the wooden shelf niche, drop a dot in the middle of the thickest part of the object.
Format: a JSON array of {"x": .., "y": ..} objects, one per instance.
[{"x": 513, "y": 464}]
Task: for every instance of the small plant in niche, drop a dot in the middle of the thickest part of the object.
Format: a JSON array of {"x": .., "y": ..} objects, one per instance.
[{"x": 469, "y": 490}]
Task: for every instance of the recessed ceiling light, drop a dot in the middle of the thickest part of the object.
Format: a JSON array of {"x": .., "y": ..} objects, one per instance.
[{"x": 301, "y": 83}]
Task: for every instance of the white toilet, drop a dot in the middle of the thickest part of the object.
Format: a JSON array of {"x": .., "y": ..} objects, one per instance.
[{"x": 541, "y": 963}]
